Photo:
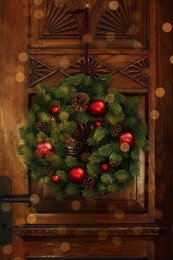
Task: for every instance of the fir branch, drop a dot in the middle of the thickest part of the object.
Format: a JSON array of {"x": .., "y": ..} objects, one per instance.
[{"x": 100, "y": 133}]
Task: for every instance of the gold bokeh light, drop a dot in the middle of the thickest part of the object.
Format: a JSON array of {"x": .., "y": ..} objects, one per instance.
[
  {"x": 7, "y": 249},
  {"x": 76, "y": 205},
  {"x": 113, "y": 5},
  {"x": 6, "y": 206},
  {"x": 23, "y": 56},
  {"x": 119, "y": 214},
  {"x": 38, "y": 14},
  {"x": 65, "y": 247},
  {"x": 160, "y": 92},
  {"x": 20, "y": 77},
  {"x": 171, "y": 59},
  {"x": 31, "y": 219},
  {"x": 116, "y": 240},
  {"x": 125, "y": 147},
  {"x": 154, "y": 114},
  {"x": 167, "y": 27}
]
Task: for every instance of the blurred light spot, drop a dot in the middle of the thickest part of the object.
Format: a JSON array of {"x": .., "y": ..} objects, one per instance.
[
  {"x": 31, "y": 40},
  {"x": 65, "y": 247},
  {"x": 27, "y": 11},
  {"x": 146, "y": 72},
  {"x": 7, "y": 249},
  {"x": 137, "y": 230},
  {"x": 9, "y": 81},
  {"x": 154, "y": 114},
  {"x": 137, "y": 16},
  {"x": 6, "y": 206},
  {"x": 34, "y": 198},
  {"x": 23, "y": 56},
  {"x": 113, "y": 5},
  {"x": 31, "y": 219},
  {"x": 38, "y": 14},
  {"x": 158, "y": 214},
  {"x": 62, "y": 230},
  {"x": 20, "y": 68},
  {"x": 17, "y": 258},
  {"x": 64, "y": 62},
  {"x": 132, "y": 30},
  {"x": 64, "y": 116},
  {"x": 86, "y": 38},
  {"x": 171, "y": 59},
  {"x": 38, "y": 2},
  {"x": 31, "y": 210},
  {"x": 125, "y": 147},
  {"x": 167, "y": 27},
  {"x": 26, "y": 2},
  {"x": 102, "y": 235},
  {"x": 137, "y": 45},
  {"x": 119, "y": 214},
  {"x": 160, "y": 92},
  {"x": 76, "y": 205},
  {"x": 20, "y": 77},
  {"x": 110, "y": 36},
  {"x": 116, "y": 240}
]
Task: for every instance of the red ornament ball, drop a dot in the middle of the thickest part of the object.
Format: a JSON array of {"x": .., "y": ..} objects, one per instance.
[
  {"x": 98, "y": 123},
  {"x": 76, "y": 174},
  {"x": 44, "y": 147},
  {"x": 55, "y": 178},
  {"x": 105, "y": 167},
  {"x": 127, "y": 137},
  {"x": 97, "y": 108},
  {"x": 54, "y": 110}
]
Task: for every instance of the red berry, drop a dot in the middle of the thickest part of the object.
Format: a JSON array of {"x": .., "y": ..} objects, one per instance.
[
  {"x": 55, "y": 178},
  {"x": 105, "y": 167},
  {"x": 54, "y": 110}
]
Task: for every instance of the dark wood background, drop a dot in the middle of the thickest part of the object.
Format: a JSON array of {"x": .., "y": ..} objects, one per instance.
[{"x": 136, "y": 222}]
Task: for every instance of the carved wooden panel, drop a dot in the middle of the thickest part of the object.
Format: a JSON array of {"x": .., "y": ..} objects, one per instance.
[
  {"x": 120, "y": 23},
  {"x": 132, "y": 70},
  {"x": 117, "y": 46}
]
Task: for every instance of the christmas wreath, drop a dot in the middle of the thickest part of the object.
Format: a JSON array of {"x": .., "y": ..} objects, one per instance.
[{"x": 83, "y": 137}]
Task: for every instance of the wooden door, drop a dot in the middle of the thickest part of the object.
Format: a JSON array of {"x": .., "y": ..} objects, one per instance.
[{"x": 42, "y": 41}]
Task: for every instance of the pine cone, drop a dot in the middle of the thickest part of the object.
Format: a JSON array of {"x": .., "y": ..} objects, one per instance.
[
  {"x": 115, "y": 130},
  {"x": 49, "y": 171},
  {"x": 88, "y": 182},
  {"x": 80, "y": 102},
  {"x": 40, "y": 126}
]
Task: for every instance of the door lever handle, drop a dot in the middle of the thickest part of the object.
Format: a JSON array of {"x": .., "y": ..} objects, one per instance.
[
  {"x": 15, "y": 198},
  {"x": 6, "y": 212}
]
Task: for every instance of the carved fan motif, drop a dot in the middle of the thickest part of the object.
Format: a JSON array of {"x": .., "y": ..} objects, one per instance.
[
  {"x": 59, "y": 20},
  {"x": 96, "y": 68},
  {"x": 138, "y": 71},
  {"x": 38, "y": 71},
  {"x": 118, "y": 21}
]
